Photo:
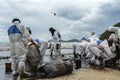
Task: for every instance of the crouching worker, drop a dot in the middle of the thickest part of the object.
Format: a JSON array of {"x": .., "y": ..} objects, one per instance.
[
  {"x": 18, "y": 50},
  {"x": 35, "y": 55},
  {"x": 115, "y": 46},
  {"x": 96, "y": 48}
]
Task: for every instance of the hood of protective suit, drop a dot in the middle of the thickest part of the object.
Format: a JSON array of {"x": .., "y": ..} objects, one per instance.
[
  {"x": 113, "y": 29},
  {"x": 16, "y": 22},
  {"x": 52, "y": 30},
  {"x": 84, "y": 38}
]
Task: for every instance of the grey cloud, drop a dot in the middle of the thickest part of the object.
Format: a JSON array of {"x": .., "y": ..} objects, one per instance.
[
  {"x": 73, "y": 19},
  {"x": 112, "y": 12},
  {"x": 70, "y": 13},
  {"x": 99, "y": 19}
]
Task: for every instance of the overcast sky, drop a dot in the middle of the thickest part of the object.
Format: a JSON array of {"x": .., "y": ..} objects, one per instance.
[{"x": 74, "y": 18}]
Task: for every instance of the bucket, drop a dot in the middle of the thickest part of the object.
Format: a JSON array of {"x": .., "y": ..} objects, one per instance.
[
  {"x": 8, "y": 67},
  {"x": 78, "y": 63}
]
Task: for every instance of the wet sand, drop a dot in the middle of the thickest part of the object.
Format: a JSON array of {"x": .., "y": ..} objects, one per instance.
[
  {"x": 91, "y": 74},
  {"x": 88, "y": 74}
]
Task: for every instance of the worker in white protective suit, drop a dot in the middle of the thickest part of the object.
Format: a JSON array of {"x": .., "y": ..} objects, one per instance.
[
  {"x": 18, "y": 50},
  {"x": 35, "y": 56},
  {"x": 81, "y": 48},
  {"x": 93, "y": 37},
  {"x": 84, "y": 48},
  {"x": 114, "y": 37},
  {"x": 115, "y": 48},
  {"x": 96, "y": 48},
  {"x": 57, "y": 44}
]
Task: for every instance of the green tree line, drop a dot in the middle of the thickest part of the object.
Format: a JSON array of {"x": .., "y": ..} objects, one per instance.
[{"x": 106, "y": 34}]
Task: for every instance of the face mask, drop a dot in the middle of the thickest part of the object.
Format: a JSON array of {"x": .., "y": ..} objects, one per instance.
[{"x": 16, "y": 22}]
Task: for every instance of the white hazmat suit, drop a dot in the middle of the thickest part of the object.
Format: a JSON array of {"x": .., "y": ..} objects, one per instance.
[
  {"x": 18, "y": 50},
  {"x": 57, "y": 44}
]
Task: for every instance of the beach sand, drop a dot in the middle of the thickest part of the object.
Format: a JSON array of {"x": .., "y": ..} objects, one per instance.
[{"x": 91, "y": 74}]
